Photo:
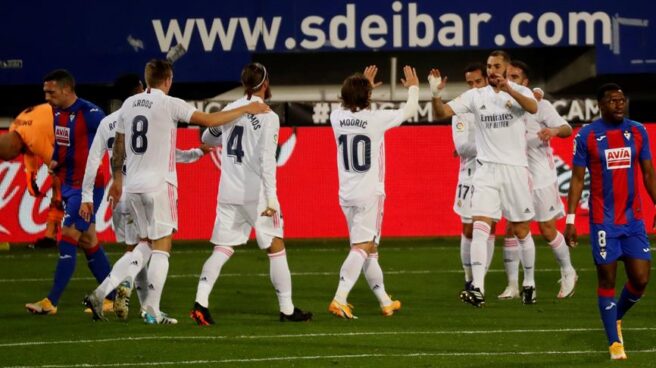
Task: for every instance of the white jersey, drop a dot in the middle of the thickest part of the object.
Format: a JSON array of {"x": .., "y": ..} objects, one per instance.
[
  {"x": 248, "y": 157},
  {"x": 103, "y": 143},
  {"x": 149, "y": 121},
  {"x": 463, "y": 130},
  {"x": 360, "y": 138},
  {"x": 500, "y": 123},
  {"x": 540, "y": 155}
]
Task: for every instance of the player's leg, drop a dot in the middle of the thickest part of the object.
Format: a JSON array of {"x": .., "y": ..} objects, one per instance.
[
  {"x": 518, "y": 208},
  {"x": 511, "y": 264},
  {"x": 162, "y": 215},
  {"x": 11, "y": 145},
  {"x": 465, "y": 250},
  {"x": 556, "y": 241},
  {"x": 65, "y": 263},
  {"x": 230, "y": 229},
  {"x": 606, "y": 251},
  {"x": 490, "y": 246},
  {"x": 637, "y": 264}
]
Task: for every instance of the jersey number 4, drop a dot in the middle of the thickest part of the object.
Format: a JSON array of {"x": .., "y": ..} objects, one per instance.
[
  {"x": 357, "y": 157},
  {"x": 234, "y": 143}
]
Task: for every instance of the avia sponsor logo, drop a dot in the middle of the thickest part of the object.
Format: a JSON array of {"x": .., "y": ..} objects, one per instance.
[
  {"x": 63, "y": 135},
  {"x": 494, "y": 121},
  {"x": 618, "y": 158}
]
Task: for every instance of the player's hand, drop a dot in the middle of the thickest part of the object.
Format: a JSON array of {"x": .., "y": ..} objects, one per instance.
[
  {"x": 502, "y": 83},
  {"x": 571, "y": 239},
  {"x": 269, "y": 212},
  {"x": 115, "y": 192},
  {"x": 32, "y": 186},
  {"x": 370, "y": 73},
  {"x": 410, "y": 77},
  {"x": 546, "y": 134},
  {"x": 52, "y": 167},
  {"x": 205, "y": 148},
  {"x": 272, "y": 207},
  {"x": 538, "y": 93},
  {"x": 436, "y": 82},
  {"x": 255, "y": 108},
  {"x": 86, "y": 210}
]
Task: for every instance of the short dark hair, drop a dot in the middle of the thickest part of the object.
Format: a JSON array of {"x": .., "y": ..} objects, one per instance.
[
  {"x": 63, "y": 78},
  {"x": 355, "y": 92},
  {"x": 472, "y": 67},
  {"x": 523, "y": 66},
  {"x": 126, "y": 85},
  {"x": 157, "y": 72},
  {"x": 252, "y": 77},
  {"x": 601, "y": 92},
  {"x": 502, "y": 54}
]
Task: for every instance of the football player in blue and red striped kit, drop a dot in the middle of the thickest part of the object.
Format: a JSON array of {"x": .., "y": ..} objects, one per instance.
[
  {"x": 612, "y": 148},
  {"x": 75, "y": 123}
]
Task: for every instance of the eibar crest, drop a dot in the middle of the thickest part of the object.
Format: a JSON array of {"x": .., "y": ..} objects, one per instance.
[{"x": 627, "y": 135}]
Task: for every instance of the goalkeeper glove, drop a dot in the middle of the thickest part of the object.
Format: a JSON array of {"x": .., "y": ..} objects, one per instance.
[{"x": 32, "y": 186}]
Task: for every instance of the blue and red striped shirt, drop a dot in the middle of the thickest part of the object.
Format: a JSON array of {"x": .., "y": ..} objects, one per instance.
[
  {"x": 612, "y": 154},
  {"x": 75, "y": 128}
]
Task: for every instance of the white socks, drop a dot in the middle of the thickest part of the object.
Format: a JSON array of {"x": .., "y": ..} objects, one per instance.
[
  {"x": 561, "y": 252},
  {"x": 349, "y": 273},
  {"x": 210, "y": 273},
  {"x": 527, "y": 249},
  {"x": 158, "y": 269},
  {"x": 465, "y": 256},
  {"x": 490, "y": 251},
  {"x": 374, "y": 275},
  {"x": 127, "y": 267},
  {"x": 281, "y": 280},
  {"x": 479, "y": 257},
  {"x": 511, "y": 260}
]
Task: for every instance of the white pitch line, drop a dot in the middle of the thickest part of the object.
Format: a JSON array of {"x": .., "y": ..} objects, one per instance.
[
  {"x": 326, "y": 334},
  {"x": 319, "y": 357},
  {"x": 331, "y": 273}
]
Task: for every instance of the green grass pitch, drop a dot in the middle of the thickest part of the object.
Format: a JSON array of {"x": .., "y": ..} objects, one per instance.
[{"x": 433, "y": 329}]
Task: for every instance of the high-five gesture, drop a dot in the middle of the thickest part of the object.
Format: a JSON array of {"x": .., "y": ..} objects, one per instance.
[
  {"x": 410, "y": 77},
  {"x": 436, "y": 82},
  {"x": 370, "y": 73}
]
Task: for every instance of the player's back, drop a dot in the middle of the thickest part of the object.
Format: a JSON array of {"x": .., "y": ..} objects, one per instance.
[
  {"x": 243, "y": 153},
  {"x": 149, "y": 122},
  {"x": 35, "y": 126},
  {"x": 360, "y": 139},
  {"x": 539, "y": 153},
  {"x": 612, "y": 153}
]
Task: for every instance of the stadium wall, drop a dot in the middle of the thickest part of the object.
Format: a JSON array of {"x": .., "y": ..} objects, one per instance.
[{"x": 421, "y": 176}]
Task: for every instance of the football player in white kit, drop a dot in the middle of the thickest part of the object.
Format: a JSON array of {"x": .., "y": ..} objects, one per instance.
[
  {"x": 501, "y": 181},
  {"x": 462, "y": 131},
  {"x": 248, "y": 198},
  {"x": 541, "y": 128},
  {"x": 360, "y": 138},
  {"x": 147, "y": 123},
  {"x": 124, "y": 227}
]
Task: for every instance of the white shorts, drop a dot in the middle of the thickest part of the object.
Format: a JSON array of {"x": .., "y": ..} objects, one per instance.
[
  {"x": 502, "y": 190},
  {"x": 234, "y": 222},
  {"x": 156, "y": 213},
  {"x": 365, "y": 221},
  {"x": 547, "y": 203},
  {"x": 462, "y": 203},
  {"x": 125, "y": 228}
]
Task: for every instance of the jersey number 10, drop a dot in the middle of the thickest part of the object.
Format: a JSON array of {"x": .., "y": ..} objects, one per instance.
[{"x": 357, "y": 157}]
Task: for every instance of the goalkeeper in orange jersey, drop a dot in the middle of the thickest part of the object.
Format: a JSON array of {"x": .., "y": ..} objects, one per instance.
[{"x": 32, "y": 134}]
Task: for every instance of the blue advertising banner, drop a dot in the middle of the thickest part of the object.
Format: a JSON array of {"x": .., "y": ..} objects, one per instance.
[{"x": 99, "y": 40}]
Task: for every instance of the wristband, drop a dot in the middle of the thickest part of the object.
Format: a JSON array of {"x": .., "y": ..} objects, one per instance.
[{"x": 569, "y": 220}]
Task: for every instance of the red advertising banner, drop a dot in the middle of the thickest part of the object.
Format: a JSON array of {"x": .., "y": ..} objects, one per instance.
[{"x": 420, "y": 184}]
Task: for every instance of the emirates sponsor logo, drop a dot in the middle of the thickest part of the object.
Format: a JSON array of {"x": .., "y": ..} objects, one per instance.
[{"x": 618, "y": 158}]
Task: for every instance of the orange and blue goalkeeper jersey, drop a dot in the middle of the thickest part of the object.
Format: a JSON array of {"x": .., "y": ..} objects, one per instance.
[{"x": 34, "y": 125}]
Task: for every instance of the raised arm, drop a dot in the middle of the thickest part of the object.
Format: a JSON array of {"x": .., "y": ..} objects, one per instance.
[
  {"x": 440, "y": 109},
  {"x": 527, "y": 103},
  {"x": 411, "y": 82},
  {"x": 227, "y": 116}
]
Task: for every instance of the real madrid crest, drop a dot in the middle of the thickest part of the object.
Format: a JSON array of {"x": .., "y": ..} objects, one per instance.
[{"x": 508, "y": 104}]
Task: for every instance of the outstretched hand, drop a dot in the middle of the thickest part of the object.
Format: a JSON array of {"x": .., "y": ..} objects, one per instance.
[
  {"x": 255, "y": 108},
  {"x": 410, "y": 77},
  {"x": 370, "y": 73}
]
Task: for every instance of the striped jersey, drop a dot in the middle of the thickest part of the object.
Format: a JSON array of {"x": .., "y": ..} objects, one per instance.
[
  {"x": 75, "y": 127},
  {"x": 612, "y": 154}
]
